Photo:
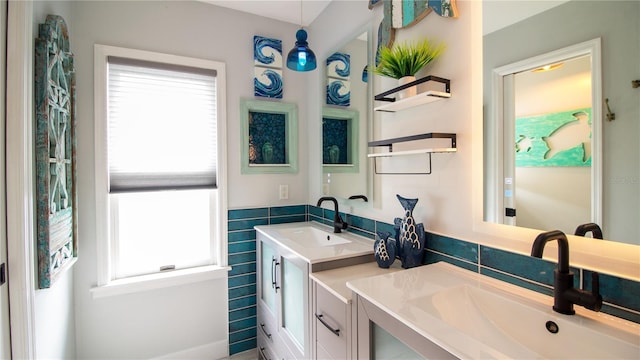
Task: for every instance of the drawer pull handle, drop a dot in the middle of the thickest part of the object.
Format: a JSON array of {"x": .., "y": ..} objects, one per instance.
[
  {"x": 263, "y": 355},
  {"x": 268, "y": 335},
  {"x": 335, "y": 332}
]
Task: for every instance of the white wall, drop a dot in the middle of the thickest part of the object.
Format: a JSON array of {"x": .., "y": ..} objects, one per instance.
[
  {"x": 444, "y": 196},
  {"x": 54, "y": 307},
  {"x": 159, "y": 322}
]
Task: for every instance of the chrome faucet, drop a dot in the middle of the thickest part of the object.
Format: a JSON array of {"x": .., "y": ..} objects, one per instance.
[
  {"x": 338, "y": 223},
  {"x": 564, "y": 294}
]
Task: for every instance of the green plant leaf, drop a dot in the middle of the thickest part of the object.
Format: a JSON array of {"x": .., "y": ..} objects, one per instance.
[{"x": 406, "y": 59}]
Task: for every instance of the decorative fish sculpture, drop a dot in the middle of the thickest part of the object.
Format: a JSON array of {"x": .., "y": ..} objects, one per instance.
[{"x": 384, "y": 250}]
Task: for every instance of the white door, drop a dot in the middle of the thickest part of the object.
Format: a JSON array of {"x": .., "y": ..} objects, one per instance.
[{"x": 5, "y": 342}]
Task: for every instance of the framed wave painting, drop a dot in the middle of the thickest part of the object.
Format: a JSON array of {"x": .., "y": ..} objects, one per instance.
[
  {"x": 267, "y": 60},
  {"x": 338, "y": 74}
]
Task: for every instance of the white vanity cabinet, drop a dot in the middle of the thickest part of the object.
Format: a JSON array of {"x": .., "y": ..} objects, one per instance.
[
  {"x": 331, "y": 325},
  {"x": 283, "y": 301},
  {"x": 334, "y": 320},
  {"x": 287, "y": 255}
]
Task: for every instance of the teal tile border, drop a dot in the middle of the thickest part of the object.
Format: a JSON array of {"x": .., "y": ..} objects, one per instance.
[
  {"x": 621, "y": 296},
  {"x": 462, "y": 250}
]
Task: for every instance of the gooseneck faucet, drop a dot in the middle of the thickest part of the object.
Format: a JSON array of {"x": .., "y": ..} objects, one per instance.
[
  {"x": 596, "y": 231},
  {"x": 338, "y": 223},
  {"x": 564, "y": 294}
]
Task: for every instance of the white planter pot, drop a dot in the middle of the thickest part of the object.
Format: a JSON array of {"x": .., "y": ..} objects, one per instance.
[{"x": 412, "y": 91}]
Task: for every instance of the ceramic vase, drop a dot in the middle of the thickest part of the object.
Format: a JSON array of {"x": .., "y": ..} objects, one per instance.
[
  {"x": 267, "y": 153},
  {"x": 409, "y": 92},
  {"x": 384, "y": 250}
]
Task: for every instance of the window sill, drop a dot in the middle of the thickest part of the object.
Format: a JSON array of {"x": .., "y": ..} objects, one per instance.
[{"x": 160, "y": 281}]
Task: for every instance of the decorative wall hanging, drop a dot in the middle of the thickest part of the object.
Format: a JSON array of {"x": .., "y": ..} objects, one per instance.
[
  {"x": 338, "y": 84},
  {"x": 555, "y": 139},
  {"x": 267, "y": 56},
  {"x": 269, "y": 142},
  {"x": 400, "y": 14},
  {"x": 55, "y": 143}
]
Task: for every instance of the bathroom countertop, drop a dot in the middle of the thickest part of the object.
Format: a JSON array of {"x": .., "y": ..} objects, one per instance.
[
  {"x": 428, "y": 300},
  {"x": 335, "y": 280},
  {"x": 357, "y": 245}
]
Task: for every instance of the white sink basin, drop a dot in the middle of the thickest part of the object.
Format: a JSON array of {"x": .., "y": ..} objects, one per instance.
[
  {"x": 313, "y": 237},
  {"x": 477, "y": 317},
  {"x": 317, "y": 243},
  {"x": 518, "y": 330}
]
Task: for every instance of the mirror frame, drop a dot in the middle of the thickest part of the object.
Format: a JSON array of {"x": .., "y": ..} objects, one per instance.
[
  {"x": 290, "y": 112},
  {"x": 367, "y": 27},
  {"x": 494, "y": 159},
  {"x": 353, "y": 133},
  {"x": 620, "y": 259}
]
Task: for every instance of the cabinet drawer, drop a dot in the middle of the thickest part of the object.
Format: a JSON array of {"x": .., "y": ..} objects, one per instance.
[{"x": 330, "y": 319}]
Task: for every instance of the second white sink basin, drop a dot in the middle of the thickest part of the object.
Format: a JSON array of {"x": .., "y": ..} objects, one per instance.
[
  {"x": 518, "y": 330},
  {"x": 477, "y": 317}
]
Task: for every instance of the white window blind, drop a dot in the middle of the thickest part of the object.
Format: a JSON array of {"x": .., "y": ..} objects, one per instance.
[{"x": 162, "y": 126}]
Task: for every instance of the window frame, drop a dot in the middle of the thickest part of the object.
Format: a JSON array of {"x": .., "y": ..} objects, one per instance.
[{"x": 105, "y": 279}]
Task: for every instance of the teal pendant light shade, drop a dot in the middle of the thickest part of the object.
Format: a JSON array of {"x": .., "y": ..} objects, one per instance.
[{"x": 301, "y": 58}]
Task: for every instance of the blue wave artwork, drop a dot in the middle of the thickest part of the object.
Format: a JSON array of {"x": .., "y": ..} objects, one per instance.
[
  {"x": 267, "y": 83},
  {"x": 338, "y": 92},
  {"x": 339, "y": 65},
  {"x": 267, "y": 52}
]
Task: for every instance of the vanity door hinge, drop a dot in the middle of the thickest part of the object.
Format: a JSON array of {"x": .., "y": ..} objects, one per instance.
[{"x": 510, "y": 212}]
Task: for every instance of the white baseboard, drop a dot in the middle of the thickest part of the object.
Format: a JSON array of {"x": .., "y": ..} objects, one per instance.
[{"x": 211, "y": 351}]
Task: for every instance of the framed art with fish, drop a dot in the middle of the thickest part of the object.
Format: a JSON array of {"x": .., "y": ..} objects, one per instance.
[{"x": 555, "y": 139}]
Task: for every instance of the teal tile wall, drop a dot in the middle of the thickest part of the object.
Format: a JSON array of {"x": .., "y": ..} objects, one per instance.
[
  {"x": 621, "y": 296},
  {"x": 242, "y": 259}
]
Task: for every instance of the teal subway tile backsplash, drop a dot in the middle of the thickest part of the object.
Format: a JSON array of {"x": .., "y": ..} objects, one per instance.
[
  {"x": 246, "y": 224},
  {"x": 528, "y": 267},
  {"x": 248, "y": 213},
  {"x": 287, "y": 219},
  {"x": 516, "y": 281},
  {"x": 433, "y": 257},
  {"x": 241, "y": 314},
  {"x": 462, "y": 250},
  {"x": 615, "y": 290},
  {"x": 361, "y": 223},
  {"x": 288, "y": 210},
  {"x": 241, "y": 236},
  {"x": 621, "y": 296},
  {"x": 385, "y": 227}
]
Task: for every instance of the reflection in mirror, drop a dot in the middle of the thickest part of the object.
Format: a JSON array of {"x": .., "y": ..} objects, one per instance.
[
  {"x": 345, "y": 118},
  {"x": 542, "y": 109},
  {"x": 517, "y": 31}
]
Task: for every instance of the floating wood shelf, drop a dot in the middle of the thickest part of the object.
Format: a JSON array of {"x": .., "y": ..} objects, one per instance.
[{"x": 394, "y": 105}]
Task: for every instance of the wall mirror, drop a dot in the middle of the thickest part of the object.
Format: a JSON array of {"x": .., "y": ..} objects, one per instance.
[
  {"x": 546, "y": 144},
  {"x": 553, "y": 33},
  {"x": 346, "y": 118}
]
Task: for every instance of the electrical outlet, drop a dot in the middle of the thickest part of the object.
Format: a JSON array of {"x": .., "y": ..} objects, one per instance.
[{"x": 284, "y": 192}]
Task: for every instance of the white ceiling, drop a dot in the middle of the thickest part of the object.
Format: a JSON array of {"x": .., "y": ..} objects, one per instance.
[
  {"x": 496, "y": 13},
  {"x": 283, "y": 10}
]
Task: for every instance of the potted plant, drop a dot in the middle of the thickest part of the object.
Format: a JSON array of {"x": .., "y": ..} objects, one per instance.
[{"x": 403, "y": 60}]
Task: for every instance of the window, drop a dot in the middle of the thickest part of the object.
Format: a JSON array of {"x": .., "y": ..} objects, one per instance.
[{"x": 159, "y": 163}]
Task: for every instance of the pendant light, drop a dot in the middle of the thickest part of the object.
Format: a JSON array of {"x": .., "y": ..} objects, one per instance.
[{"x": 301, "y": 58}]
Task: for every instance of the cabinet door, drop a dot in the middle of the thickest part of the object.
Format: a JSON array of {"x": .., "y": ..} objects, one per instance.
[
  {"x": 381, "y": 336},
  {"x": 294, "y": 313},
  {"x": 268, "y": 286}
]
